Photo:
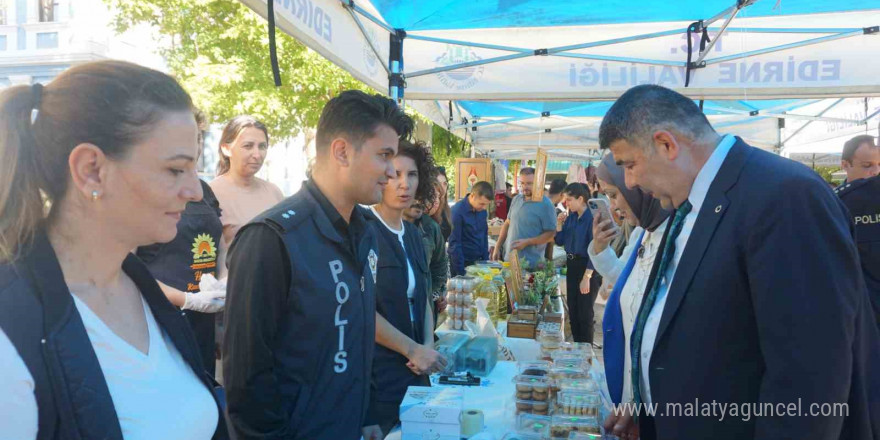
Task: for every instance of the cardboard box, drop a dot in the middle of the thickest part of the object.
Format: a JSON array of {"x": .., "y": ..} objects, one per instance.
[{"x": 431, "y": 411}]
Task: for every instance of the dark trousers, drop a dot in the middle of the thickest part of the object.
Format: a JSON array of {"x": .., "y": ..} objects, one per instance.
[
  {"x": 580, "y": 307},
  {"x": 647, "y": 428},
  {"x": 203, "y": 327},
  {"x": 387, "y": 414}
]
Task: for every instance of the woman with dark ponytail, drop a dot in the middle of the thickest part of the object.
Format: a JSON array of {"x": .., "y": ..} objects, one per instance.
[{"x": 100, "y": 161}]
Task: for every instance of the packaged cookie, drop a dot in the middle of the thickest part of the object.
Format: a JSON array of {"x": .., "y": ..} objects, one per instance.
[
  {"x": 578, "y": 403},
  {"x": 533, "y": 425},
  {"x": 562, "y": 426},
  {"x": 541, "y": 408},
  {"x": 533, "y": 368},
  {"x": 584, "y": 385},
  {"x": 532, "y": 388}
]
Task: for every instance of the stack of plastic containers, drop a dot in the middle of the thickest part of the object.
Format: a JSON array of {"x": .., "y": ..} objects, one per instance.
[
  {"x": 460, "y": 297},
  {"x": 558, "y": 399}
]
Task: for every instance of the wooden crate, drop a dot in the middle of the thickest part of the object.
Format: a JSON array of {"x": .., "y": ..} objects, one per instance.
[
  {"x": 527, "y": 313},
  {"x": 521, "y": 329}
]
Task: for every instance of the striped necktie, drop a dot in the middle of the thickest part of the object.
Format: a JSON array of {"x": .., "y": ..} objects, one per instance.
[{"x": 648, "y": 302}]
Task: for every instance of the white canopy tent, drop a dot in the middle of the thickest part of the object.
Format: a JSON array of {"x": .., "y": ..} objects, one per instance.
[{"x": 511, "y": 75}]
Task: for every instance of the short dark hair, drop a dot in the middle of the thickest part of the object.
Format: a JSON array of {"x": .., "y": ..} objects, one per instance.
[
  {"x": 850, "y": 147},
  {"x": 418, "y": 152},
  {"x": 527, "y": 171},
  {"x": 557, "y": 186},
  {"x": 644, "y": 109},
  {"x": 577, "y": 190},
  {"x": 483, "y": 189},
  {"x": 355, "y": 116},
  {"x": 508, "y": 185}
]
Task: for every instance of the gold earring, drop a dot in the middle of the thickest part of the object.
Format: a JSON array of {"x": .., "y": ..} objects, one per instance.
[{"x": 95, "y": 195}]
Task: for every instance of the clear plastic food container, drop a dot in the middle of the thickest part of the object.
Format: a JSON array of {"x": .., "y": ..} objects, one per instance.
[
  {"x": 583, "y": 385},
  {"x": 537, "y": 407},
  {"x": 562, "y": 426},
  {"x": 481, "y": 355},
  {"x": 578, "y": 403},
  {"x": 533, "y": 425},
  {"x": 534, "y": 388},
  {"x": 533, "y": 368}
]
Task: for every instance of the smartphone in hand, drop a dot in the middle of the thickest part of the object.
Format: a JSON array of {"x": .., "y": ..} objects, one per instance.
[{"x": 600, "y": 209}]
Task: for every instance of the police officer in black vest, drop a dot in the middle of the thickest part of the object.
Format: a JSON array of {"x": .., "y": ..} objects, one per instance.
[
  {"x": 861, "y": 195},
  {"x": 301, "y": 303}
]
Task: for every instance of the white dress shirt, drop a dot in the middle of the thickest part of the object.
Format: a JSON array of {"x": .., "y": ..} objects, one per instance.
[
  {"x": 18, "y": 404},
  {"x": 697, "y": 196}
]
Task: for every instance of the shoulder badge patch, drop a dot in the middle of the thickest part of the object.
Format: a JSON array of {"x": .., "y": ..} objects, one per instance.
[{"x": 374, "y": 262}]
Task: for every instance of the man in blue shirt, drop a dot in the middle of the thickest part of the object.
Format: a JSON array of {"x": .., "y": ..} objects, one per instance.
[{"x": 469, "y": 241}]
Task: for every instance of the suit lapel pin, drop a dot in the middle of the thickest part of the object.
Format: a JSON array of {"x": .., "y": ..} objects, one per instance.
[{"x": 717, "y": 209}]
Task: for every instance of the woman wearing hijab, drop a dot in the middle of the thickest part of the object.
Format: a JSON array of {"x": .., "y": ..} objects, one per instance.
[{"x": 630, "y": 274}]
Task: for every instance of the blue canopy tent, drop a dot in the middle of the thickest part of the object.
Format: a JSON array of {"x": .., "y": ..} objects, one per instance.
[{"x": 510, "y": 75}]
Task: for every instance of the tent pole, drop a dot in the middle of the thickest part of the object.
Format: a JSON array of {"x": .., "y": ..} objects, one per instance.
[
  {"x": 360, "y": 26},
  {"x": 618, "y": 59},
  {"x": 350, "y": 4},
  {"x": 786, "y": 46},
  {"x": 557, "y": 51},
  {"x": 495, "y": 122},
  {"x": 396, "y": 81},
  {"x": 471, "y": 44},
  {"x": 865, "y": 121},
  {"x": 810, "y": 122},
  {"x": 789, "y": 30},
  {"x": 469, "y": 64},
  {"x": 713, "y": 41}
]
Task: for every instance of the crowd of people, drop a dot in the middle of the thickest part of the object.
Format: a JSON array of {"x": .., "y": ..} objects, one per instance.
[{"x": 731, "y": 274}]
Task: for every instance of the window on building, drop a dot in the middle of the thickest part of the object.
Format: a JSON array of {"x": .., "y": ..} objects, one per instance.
[
  {"x": 2, "y": 43},
  {"x": 4, "y": 12},
  {"x": 47, "y": 40},
  {"x": 48, "y": 10}
]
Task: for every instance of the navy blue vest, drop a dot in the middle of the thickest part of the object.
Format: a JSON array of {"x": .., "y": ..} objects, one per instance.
[
  {"x": 323, "y": 364},
  {"x": 38, "y": 314},
  {"x": 390, "y": 373}
]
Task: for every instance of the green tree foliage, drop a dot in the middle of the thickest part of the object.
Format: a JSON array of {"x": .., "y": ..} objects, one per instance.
[
  {"x": 445, "y": 148},
  {"x": 219, "y": 51},
  {"x": 825, "y": 172}
]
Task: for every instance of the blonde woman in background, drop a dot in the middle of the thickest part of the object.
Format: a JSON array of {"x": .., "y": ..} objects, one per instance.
[{"x": 243, "y": 148}]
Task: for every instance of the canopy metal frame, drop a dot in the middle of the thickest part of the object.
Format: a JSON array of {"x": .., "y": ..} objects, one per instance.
[{"x": 397, "y": 74}]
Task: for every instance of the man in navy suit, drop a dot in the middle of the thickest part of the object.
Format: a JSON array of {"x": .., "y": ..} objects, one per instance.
[{"x": 753, "y": 318}]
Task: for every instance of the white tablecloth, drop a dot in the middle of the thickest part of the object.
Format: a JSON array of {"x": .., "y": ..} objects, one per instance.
[{"x": 495, "y": 397}]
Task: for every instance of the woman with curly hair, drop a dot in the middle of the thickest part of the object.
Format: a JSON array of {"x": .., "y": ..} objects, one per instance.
[
  {"x": 439, "y": 209},
  {"x": 404, "y": 320}
]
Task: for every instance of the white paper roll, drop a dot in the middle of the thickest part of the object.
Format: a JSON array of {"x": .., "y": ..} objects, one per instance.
[{"x": 471, "y": 422}]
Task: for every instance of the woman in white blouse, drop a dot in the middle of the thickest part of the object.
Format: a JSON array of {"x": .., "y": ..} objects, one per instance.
[
  {"x": 629, "y": 274},
  {"x": 100, "y": 161}
]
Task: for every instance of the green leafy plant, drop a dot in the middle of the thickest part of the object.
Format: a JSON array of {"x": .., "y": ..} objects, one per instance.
[{"x": 219, "y": 51}]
